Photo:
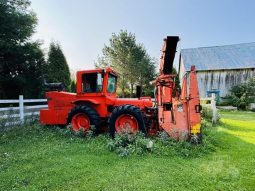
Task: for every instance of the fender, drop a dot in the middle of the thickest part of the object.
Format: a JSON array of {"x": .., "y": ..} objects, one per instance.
[{"x": 86, "y": 100}]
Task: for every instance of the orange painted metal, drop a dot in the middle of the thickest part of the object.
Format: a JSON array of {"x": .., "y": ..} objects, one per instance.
[
  {"x": 80, "y": 121},
  {"x": 194, "y": 104},
  {"x": 61, "y": 103},
  {"x": 126, "y": 122},
  {"x": 179, "y": 116}
]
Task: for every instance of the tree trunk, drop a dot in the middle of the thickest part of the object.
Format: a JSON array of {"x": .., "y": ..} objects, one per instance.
[
  {"x": 132, "y": 90},
  {"x": 123, "y": 87},
  {"x": 140, "y": 84}
]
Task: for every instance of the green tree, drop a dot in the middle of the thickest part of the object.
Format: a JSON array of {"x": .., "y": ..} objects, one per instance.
[
  {"x": 73, "y": 86},
  {"x": 21, "y": 60},
  {"x": 129, "y": 59},
  {"x": 57, "y": 67},
  {"x": 243, "y": 94}
]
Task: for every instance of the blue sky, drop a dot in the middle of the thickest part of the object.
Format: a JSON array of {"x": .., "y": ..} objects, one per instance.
[{"x": 82, "y": 27}]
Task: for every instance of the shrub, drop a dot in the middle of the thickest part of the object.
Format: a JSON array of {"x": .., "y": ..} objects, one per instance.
[
  {"x": 31, "y": 119},
  {"x": 127, "y": 143},
  {"x": 207, "y": 114},
  {"x": 171, "y": 147},
  {"x": 6, "y": 122},
  {"x": 226, "y": 101},
  {"x": 243, "y": 94},
  {"x": 81, "y": 133}
]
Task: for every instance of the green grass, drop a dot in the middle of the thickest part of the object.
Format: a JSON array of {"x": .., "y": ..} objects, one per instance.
[{"x": 35, "y": 158}]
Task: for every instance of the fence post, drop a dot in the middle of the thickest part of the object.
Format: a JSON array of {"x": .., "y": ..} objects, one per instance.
[
  {"x": 214, "y": 109},
  {"x": 21, "y": 108}
]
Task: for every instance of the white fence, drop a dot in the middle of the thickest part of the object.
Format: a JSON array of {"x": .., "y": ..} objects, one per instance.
[{"x": 22, "y": 110}]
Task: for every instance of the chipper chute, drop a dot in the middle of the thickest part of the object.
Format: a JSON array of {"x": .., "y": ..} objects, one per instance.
[{"x": 178, "y": 115}]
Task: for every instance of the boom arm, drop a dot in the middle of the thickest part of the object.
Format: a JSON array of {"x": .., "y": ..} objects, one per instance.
[{"x": 168, "y": 54}]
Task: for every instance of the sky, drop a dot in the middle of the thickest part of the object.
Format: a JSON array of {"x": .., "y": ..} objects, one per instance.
[{"x": 83, "y": 27}]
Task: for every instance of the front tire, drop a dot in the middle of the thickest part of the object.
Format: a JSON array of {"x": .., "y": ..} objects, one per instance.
[
  {"x": 82, "y": 117},
  {"x": 127, "y": 118}
]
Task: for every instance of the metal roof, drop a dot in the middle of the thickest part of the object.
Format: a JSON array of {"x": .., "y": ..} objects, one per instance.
[{"x": 237, "y": 56}]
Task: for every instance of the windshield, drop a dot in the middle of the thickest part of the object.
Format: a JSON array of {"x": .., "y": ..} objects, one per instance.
[
  {"x": 111, "y": 87},
  {"x": 92, "y": 82}
]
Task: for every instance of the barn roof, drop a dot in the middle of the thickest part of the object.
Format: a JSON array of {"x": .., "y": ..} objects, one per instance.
[{"x": 237, "y": 56}]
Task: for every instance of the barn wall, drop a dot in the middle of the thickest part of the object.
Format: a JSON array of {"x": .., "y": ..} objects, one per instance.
[{"x": 222, "y": 80}]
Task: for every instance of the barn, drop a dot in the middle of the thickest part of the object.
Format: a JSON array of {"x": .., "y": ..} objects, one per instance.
[{"x": 219, "y": 67}]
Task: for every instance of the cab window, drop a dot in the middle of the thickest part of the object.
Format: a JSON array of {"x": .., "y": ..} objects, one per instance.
[
  {"x": 92, "y": 83},
  {"x": 111, "y": 85}
]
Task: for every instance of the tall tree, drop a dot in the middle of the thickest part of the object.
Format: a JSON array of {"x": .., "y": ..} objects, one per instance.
[
  {"x": 130, "y": 59},
  {"x": 73, "y": 86},
  {"x": 58, "y": 69},
  {"x": 21, "y": 60}
]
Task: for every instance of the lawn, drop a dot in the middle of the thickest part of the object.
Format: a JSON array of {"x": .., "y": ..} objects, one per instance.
[{"x": 36, "y": 158}]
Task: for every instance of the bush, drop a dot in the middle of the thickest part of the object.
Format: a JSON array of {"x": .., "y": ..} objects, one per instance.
[
  {"x": 127, "y": 143},
  {"x": 171, "y": 147},
  {"x": 207, "y": 114},
  {"x": 243, "y": 94},
  {"x": 81, "y": 133},
  {"x": 226, "y": 101}
]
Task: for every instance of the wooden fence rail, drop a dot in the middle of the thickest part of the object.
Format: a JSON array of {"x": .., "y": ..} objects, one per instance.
[{"x": 22, "y": 109}]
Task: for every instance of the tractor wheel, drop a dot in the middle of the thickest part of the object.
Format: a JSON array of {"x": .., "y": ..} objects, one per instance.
[
  {"x": 82, "y": 117},
  {"x": 127, "y": 118}
]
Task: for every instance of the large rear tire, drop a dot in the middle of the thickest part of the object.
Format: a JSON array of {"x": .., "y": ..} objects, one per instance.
[
  {"x": 82, "y": 117},
  {"x": 127, "y": 118}
]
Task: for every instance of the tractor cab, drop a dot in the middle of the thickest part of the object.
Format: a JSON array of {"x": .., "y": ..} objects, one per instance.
[{"x": 96, "y": 82}]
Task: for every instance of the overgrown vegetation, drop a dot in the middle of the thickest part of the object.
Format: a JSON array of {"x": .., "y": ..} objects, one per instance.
[
  {"x": 243, "y": 94},
  {"x": 207, "y": 115},
  {"x": 7, "y": 122},
  {"x": 127, "y": 144},
  {"x": 51, "y": 158}
]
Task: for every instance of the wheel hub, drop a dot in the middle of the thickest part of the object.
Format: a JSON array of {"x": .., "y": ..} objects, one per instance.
[
  {"x": 80, "y": 121},
  {"x": 126, "y": 123}
]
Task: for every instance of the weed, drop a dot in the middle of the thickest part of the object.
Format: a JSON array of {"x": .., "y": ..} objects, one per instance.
[
  {"x": 166, "y": 145},
  {"x": 127, "y": 143},
  {"x": 7, "y": 121},
  {"x": 31, "y": 119},
  {"x": 207, "y": 114}
]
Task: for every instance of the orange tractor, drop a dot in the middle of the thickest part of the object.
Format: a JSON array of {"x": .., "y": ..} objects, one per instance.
[{"x": 95, "y": 103}]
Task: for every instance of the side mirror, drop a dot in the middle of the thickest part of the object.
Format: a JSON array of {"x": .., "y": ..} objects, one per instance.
[{"x": 138, "y": 91}]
